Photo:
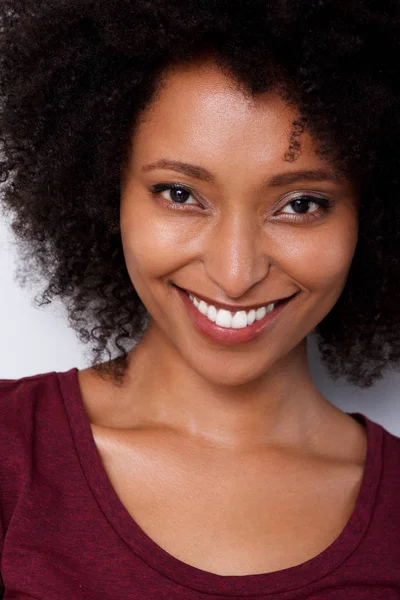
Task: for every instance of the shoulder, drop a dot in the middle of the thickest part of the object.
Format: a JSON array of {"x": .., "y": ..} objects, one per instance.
[
  {"x": 31, "y": 414},
  {"x": 22, "y": 402},
  {"x": 34, "y": 434},
  {"x": 20, "y": 398},
  {"x": 386, "y": 509},
  {"x": 385, "y": 451},
  {"x": 13, "y": 389},
  {"x": 21, "y": 407},
  {"x": 391, "y": 451}
]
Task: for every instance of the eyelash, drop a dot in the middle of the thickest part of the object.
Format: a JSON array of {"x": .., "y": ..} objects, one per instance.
[{"x": 323, "y": 203}]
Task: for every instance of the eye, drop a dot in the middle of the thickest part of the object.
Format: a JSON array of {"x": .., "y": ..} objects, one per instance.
[
  {"x": 174, "y": 194},
  {"x": 301, "y": 205}
]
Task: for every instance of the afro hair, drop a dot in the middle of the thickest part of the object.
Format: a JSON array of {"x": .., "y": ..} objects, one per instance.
[{"x": 74, "y": 78}]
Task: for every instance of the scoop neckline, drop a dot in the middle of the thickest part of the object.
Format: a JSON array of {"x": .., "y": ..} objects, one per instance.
[{"x": 192, "y": 577}]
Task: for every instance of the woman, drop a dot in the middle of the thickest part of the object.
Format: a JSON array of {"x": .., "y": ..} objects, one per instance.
[{"x": 203, "y": 184}]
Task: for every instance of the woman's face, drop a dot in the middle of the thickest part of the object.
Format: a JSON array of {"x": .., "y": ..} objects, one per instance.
[{"x": 210, "y": 205}]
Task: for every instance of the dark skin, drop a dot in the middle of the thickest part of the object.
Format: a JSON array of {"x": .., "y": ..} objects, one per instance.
[{"x": 229, "y": 457}]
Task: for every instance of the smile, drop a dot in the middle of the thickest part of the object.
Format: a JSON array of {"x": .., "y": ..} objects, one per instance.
[
  {"x": 229, "y": 319},
  {"x": 230, "y": 326}
]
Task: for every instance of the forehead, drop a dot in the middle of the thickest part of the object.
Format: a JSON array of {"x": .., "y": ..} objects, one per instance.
[{"x": 200, "y": 113}]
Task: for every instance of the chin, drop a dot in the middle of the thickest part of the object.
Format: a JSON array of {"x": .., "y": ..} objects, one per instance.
[{"x": 232, "y": 372}]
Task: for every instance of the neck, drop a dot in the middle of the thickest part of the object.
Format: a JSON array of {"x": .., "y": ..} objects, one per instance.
[{"x": 281, "y": 406}]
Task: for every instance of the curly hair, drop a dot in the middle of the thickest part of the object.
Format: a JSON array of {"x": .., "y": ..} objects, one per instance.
[{"x": 76, "y": 74}]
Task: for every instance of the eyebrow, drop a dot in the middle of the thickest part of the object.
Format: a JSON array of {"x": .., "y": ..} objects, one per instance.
[{"x": 278, "y": 180}]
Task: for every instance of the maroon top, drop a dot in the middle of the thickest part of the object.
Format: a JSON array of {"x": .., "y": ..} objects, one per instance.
[{"x": 64, "y": 534}]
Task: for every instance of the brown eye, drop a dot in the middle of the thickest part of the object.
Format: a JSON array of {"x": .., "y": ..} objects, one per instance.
[
  {"x": 301, "y": 205},
  {"x": 175, "y": 194}
]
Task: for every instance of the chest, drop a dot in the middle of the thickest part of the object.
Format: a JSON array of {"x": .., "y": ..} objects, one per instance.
[{"x": 230, "y": 517}]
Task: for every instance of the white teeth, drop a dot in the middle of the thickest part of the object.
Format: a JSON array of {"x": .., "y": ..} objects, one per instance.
[
  {"x": 224, "y": 318},
  {"x": 239, "y": 320},
  {"x": 251, "y": 317},
  {"x": 260, "y": 313},
  {"x": 212, "y": 313},
  {"x": 202, "y": 307}
]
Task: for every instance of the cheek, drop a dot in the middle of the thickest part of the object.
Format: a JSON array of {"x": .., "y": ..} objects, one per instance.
[
  {"x": 321, "y": 260},
  {"x": 153, "y": 246}
]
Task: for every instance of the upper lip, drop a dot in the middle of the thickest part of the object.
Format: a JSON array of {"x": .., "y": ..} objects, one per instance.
[{"x": 231, "y": 307}]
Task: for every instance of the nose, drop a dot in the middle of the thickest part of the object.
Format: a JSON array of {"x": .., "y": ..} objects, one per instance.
[{"x": 234, "y": 255}]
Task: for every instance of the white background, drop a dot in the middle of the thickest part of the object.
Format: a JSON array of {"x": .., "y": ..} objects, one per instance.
[{"x": 39, "y": 340}]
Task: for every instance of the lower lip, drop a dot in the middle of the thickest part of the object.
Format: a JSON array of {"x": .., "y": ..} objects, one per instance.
[{"x": 226, "y": 335}]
